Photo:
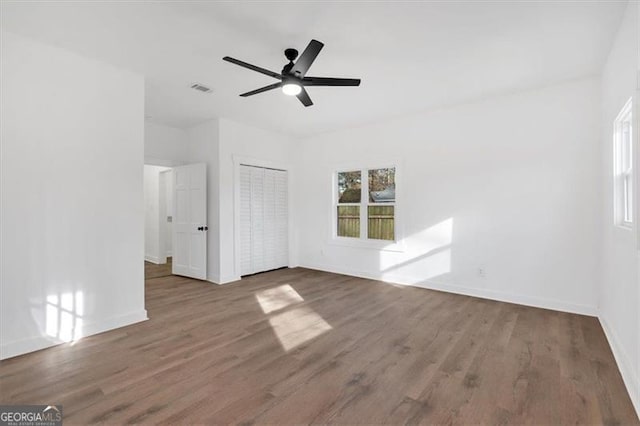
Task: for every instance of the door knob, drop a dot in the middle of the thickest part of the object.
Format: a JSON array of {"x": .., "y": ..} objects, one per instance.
[{"x": 200, "y": 228}]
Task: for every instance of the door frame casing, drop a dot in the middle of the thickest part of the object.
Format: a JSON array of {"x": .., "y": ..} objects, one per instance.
[
  {"x": 162, "y": 210},
  {"x": 238, "y": 161}
]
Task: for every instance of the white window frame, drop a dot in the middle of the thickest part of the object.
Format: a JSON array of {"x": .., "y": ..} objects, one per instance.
[
  {"x": 623, "y": 165},
  {"x": 363, "y": 241}
]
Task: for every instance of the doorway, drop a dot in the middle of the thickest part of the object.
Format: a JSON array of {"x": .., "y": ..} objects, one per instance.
[{"x": 158, "y": 201}]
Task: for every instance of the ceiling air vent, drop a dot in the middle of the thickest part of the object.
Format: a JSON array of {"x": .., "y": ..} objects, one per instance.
[{"x": 201, "y": 88}]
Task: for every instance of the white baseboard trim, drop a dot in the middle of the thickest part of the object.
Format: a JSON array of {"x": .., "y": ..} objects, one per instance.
[
  {"x": 533, "y": 301},
  {"x": 35, "y": 343},
  {"x": 625, "y": 364},
  {"x": 217, "y": 279},
  {"x": 152, "y": 259}
]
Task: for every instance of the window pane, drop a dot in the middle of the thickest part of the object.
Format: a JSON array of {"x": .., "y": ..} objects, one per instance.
[
  {"x": 381, "y": 222},
  {"x": 349, "y": 221},
  {"x": 349, "y": 187},
  {"x": 626, "y": 145},
  {"x": 382, "y": 185},
  {"x": 627, "y": 198},
  {"x": 623, "y": 167}
]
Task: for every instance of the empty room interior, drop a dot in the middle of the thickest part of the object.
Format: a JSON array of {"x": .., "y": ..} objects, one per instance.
[{"x": 275, "y": 212}]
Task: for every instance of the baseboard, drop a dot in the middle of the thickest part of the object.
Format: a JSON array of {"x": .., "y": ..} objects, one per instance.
[
  {"x": 152, "y": 259},
  {"x": 625, "y": 364},
  {"x": 217, "y": 279},
  {"x": 36, "y": 343},
  {"x": 536, "y": 302}
]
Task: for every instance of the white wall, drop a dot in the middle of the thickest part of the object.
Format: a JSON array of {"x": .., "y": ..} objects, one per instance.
[
  {"x": 260, "y": 147},
  {"x": 510, "y": 184},
  {"x": 203, "y": 147},
  {"x": 72, "y": 197},
  {"x": 619, "y": 294},
  {"x": 154, "y": 220},
  {"x": 164, "y": 145},
  {"x": 217, "y": 143}
]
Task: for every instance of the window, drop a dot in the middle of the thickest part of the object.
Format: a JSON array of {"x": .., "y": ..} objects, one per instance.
[
  {"x": 349, "y": 198},
  {"x": 365, "y": 204},
  {"x": 623, "y": 167}
]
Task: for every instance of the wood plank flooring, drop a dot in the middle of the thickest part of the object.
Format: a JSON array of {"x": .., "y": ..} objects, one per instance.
[
  {"x": 152, "y": 270},
  {"x": 300, "y": 346}
]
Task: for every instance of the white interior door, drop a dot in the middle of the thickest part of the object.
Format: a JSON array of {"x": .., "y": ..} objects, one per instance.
[
  {"x": 190, "y": 221},
  {"x": 263, "y": 219}
]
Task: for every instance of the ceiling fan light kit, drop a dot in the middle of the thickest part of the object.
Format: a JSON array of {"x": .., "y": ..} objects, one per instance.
[
  {"x": 293, "y": 76},
  {"x": 291, "y": 89}
]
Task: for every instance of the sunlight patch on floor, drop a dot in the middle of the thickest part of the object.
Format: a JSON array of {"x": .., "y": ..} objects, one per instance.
[
  {"x": 277, "y": 298},
  {"x": 298, "y": 326}
]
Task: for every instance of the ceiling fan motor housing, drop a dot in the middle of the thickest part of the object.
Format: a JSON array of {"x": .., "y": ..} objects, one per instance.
[
  {"x": 291, "y": 79},
  {"x": 291, "y": 54}
]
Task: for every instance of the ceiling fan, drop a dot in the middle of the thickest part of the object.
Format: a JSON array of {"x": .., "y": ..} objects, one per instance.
[{"x": 293, "y": 76}]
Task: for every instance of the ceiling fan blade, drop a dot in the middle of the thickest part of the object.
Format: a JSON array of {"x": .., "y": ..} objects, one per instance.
[
  {"x": 305, "y": 60},
  {"x": 328, "y": 81},
  {"x": 304, "y": 98},
  {"x": 252, "y": 67},
  {"x": 262, "y": 89}
]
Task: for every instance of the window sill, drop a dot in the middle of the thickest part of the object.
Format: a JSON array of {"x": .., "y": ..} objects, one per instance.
[
  {"x": 378, "y": 245},
  {"x": 624, "y": 226}
]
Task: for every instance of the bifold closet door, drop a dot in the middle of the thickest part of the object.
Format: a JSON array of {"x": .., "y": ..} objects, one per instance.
[{"x": 263, "y": 219}]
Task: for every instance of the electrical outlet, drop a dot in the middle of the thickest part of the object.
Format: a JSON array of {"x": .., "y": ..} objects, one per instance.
[{"x": 482, "y": 272}]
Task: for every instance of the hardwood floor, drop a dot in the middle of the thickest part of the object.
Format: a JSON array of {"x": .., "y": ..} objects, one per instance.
[
  {"x": 152, "y": 270},
  {"x": 302, "y": 346}
]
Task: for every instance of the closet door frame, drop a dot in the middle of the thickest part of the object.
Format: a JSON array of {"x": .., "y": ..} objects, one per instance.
[{"x": 269, "y": 164}]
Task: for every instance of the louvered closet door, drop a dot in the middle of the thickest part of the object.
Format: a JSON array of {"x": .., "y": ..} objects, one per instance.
[
  {"x": 245, "y": 220},
  {"x": 281, "y": 208},
  {"x": 263, "y": 219},
  {"x": 257, "y": 220},
  {"x": 269, "y": 222}
]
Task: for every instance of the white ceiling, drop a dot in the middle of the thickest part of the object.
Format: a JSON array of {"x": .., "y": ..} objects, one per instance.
[{"x": 411, "y": 56}]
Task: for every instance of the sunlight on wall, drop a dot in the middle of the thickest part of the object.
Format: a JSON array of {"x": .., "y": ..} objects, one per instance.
[
  {"x": 298, "y": 326},
  {"x": 277, "y": 298},
  {"x": 64, "y": 316},
  {"x": 427, "y": 255}
]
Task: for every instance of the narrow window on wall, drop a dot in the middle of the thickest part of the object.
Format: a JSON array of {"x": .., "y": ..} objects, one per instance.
[
  {"x": 623, "y": 167},
  {"x": 365, "y": 203},
  {"x": 381, "y": 208},
  {"x": 349, "y": 197}
]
